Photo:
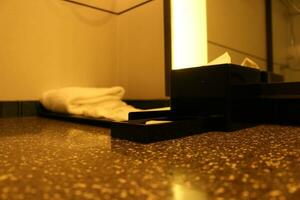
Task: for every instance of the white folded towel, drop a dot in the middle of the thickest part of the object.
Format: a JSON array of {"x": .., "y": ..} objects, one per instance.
[{"x": 90, "y": 102}]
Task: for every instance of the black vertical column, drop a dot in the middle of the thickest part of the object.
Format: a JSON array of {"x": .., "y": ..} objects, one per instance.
[
  {"x": 168, "y": 45},
  {"x": 269, "y": 35}
]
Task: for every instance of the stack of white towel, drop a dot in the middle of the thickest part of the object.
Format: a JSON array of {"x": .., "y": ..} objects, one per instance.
[{"x": 90, "y": 102}]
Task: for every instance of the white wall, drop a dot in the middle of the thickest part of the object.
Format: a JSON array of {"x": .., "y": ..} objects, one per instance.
[
  {"x": 48, "y": 44},
  {"x": 125, "y": 4},
  {"x": 293, "y": 72},
  {"x": 141, "y": 52},
  {"x": 238, "y": 27},
  {"x": 112, "y": 5}
]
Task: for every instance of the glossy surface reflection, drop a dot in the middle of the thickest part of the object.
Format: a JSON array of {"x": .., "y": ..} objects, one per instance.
[{"x": 49, "y": 159}]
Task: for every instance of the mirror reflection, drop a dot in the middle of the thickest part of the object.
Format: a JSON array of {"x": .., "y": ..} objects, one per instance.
[
  {"x": 286, "y": 40},
  {"x": 237, "y": 27},
  {"x": 241, "y": 29}
]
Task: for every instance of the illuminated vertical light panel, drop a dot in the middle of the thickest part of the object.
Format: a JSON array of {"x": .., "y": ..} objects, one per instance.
[{"x": 189, "y": 33}]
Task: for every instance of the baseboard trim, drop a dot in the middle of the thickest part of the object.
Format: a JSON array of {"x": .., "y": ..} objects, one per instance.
[
  {"x": 148, "y": 104},
  {"x": 19, "y": 108},
  {"x": 32, "y": 108}
]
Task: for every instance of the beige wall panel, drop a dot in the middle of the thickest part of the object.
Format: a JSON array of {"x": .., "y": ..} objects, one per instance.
[
  {"x": 281, "y": 32},
  {"x": 292, "y": 73},
  {"x": 239, "y": 24},
  {"x": 141, "y": 52},
  {"x": 112, "y": 5},
  {"x": 49, "y": 44},
  {"x": 237, "y": 58}
]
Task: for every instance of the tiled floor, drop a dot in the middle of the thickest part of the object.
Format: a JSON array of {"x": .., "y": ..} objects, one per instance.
[{"x": 48, "y": 159}]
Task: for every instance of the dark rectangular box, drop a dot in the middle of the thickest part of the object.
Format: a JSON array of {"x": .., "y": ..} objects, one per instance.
[{"x": 212, "y": 90}]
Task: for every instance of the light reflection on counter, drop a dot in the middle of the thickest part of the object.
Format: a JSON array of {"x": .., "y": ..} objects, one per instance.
[
  {"x": 76, "y": 138},
  {"x": 182, "y": 192}
]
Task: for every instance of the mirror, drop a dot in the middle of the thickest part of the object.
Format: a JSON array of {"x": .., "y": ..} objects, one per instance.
[
  {"x": 237, "y": 27},
  {"x": 286, "y": 38},
  {"x": 267, "y": 32},
  {"x": 233, "y": 26}
]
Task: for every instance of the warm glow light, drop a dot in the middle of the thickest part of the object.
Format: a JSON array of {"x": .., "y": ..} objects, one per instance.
[
  {"x": 189, "y": 33},
  {"x": 181, "y": 192}
]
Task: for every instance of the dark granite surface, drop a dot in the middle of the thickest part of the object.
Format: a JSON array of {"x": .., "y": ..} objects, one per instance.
[{"x": 49, "y": 159}]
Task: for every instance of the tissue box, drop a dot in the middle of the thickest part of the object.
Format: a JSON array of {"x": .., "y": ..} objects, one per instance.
[{"x": 215, "y": 90}]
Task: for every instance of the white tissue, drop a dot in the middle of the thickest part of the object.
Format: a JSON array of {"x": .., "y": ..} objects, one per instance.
[
  {"x": 226, "y": 59},
  {"x": 151, "y": 122},
  {"x": 247, "y": 62},
  {"x": 223, "y": 59}
]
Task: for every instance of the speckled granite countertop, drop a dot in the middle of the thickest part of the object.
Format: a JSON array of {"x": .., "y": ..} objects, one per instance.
[{"x": 48, "y": 159}]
